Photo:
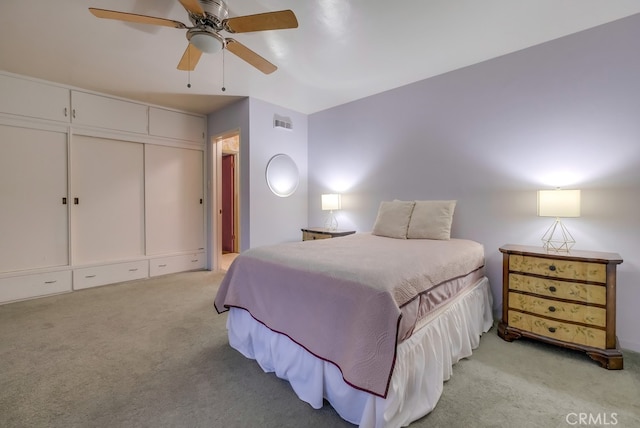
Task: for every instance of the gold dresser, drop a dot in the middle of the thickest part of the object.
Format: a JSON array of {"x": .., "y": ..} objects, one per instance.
[{"x": 566, "y": 299}]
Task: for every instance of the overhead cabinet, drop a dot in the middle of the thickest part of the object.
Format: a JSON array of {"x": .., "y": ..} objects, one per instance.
[
  {"x": 177, "y": 125},
  {"x": 110, "y": 113},
  {"x": 34, "y": 99}
]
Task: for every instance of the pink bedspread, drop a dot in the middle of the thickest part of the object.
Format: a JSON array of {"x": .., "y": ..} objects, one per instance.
[{"x": 342, "y": 299}]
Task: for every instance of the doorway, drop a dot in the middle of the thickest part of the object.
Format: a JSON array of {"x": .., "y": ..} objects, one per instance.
[
  {"x": 227, "y": 186},
  {"x": 228, "y": 203}
]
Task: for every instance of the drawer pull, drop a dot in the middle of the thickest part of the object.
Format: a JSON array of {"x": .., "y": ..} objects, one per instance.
[
  {"x": 50, "y": 282},
  {"x": 552, "y": 329},
  {"x": 163, "y": 265},
  {"x": 552, "y": 289},
  {"x": 133, "y": 270},
  {"x": 90, "y": 276},
  {"x": 194, "y": 260},
  {"x": 552, "y": 268},
  {"x": 552, "y": 309}
]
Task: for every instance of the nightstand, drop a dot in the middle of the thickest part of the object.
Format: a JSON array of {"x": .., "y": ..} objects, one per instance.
[
  {"x": 312, "y": 233},
  {"x": 565, "y": 299}
]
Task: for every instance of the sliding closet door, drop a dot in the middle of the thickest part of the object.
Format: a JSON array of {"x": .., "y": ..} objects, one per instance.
[
  {"x": 107, "y": 196},
  {"x": 174, "y": 197},
  {"x": 33, "y": 183}
]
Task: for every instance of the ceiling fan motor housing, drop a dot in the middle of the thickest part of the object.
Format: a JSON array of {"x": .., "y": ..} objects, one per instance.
[{"x": 216, "y": 10}]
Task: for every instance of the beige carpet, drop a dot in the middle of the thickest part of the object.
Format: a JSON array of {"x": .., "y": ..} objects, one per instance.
[{"x": 153, "y": 353}]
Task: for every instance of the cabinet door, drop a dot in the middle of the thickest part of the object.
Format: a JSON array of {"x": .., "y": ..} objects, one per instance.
[
  {"x": 34, "y": 99},
  {"x": 110, "y": 113},
  {"x": 108, "y": 215},
  {"x": 172, "y": 124},
  {"x": 33, "y": 181},
  {"x": 174, "y": 192}
]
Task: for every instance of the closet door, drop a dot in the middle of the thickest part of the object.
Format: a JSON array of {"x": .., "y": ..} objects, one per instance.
[
  {"x": 33, "y": 183},
  {"x": 174, "y": 192},
  {"x": 107, "y": 193}
]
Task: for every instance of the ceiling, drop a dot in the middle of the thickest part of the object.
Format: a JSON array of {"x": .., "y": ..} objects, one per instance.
[{"x": 342, "y": 50}]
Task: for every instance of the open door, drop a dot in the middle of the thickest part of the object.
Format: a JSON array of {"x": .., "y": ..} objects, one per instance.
[{"x": 228, "y": 203}]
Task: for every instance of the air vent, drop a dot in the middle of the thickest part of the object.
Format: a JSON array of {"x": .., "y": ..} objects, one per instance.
[{"x": 282, "y": 122}]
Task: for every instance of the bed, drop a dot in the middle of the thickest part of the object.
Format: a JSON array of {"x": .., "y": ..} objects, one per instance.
[{"x": 368, "y": 322}]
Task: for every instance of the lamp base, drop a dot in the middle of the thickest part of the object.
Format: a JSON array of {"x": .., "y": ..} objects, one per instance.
[
  {"x": 330, "y": 222},
  {"x": 557, "y": 238}
]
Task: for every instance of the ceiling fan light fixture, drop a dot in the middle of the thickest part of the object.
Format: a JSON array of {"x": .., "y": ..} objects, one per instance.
[{"x": 205, "y": 41}]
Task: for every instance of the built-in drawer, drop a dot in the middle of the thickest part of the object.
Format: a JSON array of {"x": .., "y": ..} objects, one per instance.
[
  {"x": 180, "y": 263},
  {"x": 560, "y": 310},
  {"x": 109, "y": 274},
  {"x": 566, "y": 269},
  {"x": 587, "y": 293},
  {"x": 34, "y": 285},
  {"x": 558, "y": 330}
]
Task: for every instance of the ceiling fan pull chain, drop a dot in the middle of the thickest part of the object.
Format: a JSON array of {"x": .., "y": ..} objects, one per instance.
[
  {"x": 189, "y": 69},
  {"x": 223, "y": 88}
]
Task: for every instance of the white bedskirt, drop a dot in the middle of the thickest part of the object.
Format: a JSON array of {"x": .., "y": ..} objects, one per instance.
[{"x": 424, "y": 361}]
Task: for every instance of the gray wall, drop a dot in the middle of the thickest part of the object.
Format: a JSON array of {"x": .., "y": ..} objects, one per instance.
[
  {"x": 276, "y": 219},
  {"x": 235, "y": 118},
  {"x": 565, "y": 113},
  {"x": 265, "y": 218}
]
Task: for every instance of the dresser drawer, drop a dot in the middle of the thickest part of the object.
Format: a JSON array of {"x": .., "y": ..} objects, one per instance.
[
  {"x": 109, "y": 274},
  {"x": 35, "y": 285},
  {"x": 559, "y": 310},
  {"x": 309, "y": 236},
  {"x": 586, "y": 293},
  {"x": 566, "y": 269},
  {"x": 558, "y": 330}
]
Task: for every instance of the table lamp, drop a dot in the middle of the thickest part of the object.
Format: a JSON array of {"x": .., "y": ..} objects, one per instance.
[
  {"x": 330, "y": 202},
  {"x": 559, "y": 204}
]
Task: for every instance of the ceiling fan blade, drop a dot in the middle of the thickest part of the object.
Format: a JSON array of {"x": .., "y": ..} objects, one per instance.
[
  {"x": 192, "y": 6},
  {"x": 132, "y": 17},
  {"x": 190, "y": 58},
  {"x": 246, "y": 54},
  {"x": 279, "y": 20}
]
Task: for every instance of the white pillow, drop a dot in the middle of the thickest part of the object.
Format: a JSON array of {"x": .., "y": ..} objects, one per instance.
[
  {"x": 393, "y": 219},
  {"x": 431, "y": 220}
]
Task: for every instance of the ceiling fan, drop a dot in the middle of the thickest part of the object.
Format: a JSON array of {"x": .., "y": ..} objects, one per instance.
[{"x": 209, "y": 18}]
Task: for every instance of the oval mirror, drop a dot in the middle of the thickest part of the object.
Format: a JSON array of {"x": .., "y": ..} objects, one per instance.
[{"x": 282, "y": 175}]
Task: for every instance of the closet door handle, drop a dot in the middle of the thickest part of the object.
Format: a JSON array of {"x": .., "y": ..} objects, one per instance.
[
  {"x": 64, "y": 201},
  {"x": 73, "y": 113},
  {"x": 76, "y": 201},
  {"x": 66, "y": 112}
]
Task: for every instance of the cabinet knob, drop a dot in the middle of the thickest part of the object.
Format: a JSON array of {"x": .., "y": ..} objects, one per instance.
[
  {"x": 552, "y": 289},
  {"x": 552, "y": 268},
  {"x": 552, "y": 309},
  {"x": 552, "y": 329}
]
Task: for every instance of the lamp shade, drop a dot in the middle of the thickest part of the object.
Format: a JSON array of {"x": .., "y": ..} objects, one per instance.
[
  {"x": 559, "y": 203},
  {"x": 331, "y": 201}
]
